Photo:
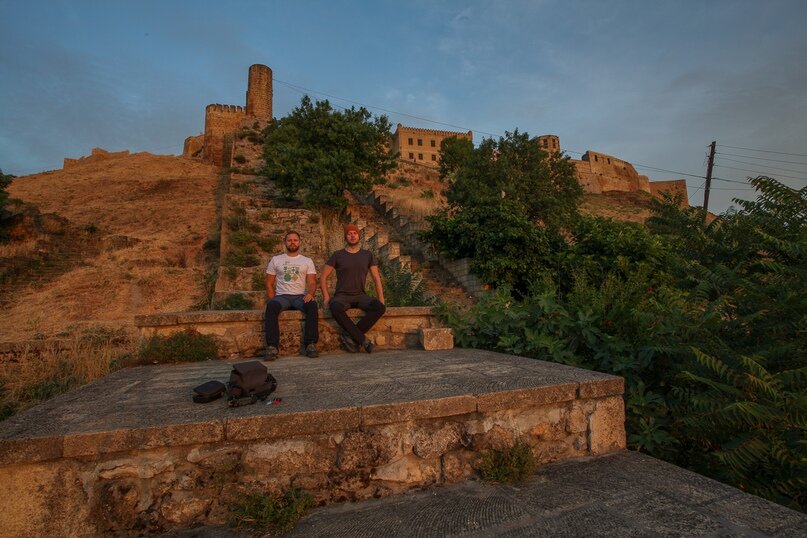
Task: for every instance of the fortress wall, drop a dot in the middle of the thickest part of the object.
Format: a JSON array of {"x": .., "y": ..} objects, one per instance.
[
  {"x": 193, "y": 146},
  {"x": 97, "y": 154},
  {"x": 259, "y": 92},
  {"x": 422, "y": 145},
  {"x": 672, "y": 186},
  {"x": 611, "y": 173},
  {"x": 219, "y": 121}
]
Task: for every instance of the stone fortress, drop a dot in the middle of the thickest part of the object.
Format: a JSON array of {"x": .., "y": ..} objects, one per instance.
[
  {"x": 597, "y": 173},
  {"x": 223, "y": 121}
]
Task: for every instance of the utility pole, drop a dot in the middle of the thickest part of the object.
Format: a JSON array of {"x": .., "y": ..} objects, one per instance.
[{"x": 708, "y": 178}]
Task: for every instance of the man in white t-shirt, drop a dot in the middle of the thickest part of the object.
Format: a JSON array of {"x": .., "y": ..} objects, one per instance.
[{"x": 291, "y": 281}]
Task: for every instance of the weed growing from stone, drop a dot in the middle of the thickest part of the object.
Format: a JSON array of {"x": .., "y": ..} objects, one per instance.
[
  {"x": 234, "y": 301},
  {"x": 186, "y": 346},
  {"x": 511, "y": 464},
  {"x": 265, "y": 514}
]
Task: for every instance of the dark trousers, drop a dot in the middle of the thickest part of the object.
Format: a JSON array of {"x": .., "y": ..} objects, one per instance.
[
  {"x": 278, "y": 304},
  {"x": 373, "y": 310}
]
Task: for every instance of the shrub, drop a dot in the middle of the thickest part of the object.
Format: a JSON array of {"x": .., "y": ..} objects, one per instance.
[
  {"x": 240, "y": 159},
  {"x": 265, "y": 514},
  {"x": 512, "y": 464},
  {"x": 234, "y": 301},
  {"x": 403, "y": 287},
  {"x": 186, "y": 346}
]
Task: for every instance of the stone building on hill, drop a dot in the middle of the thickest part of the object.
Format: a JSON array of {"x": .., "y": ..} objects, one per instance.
[
  {"x": 599, "y": 173},
  {"x": 422, "y": 146},
  {"x": 223, "y": 121}
]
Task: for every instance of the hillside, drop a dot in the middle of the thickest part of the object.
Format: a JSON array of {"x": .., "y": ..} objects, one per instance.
[{"x": 151, "y": 215}]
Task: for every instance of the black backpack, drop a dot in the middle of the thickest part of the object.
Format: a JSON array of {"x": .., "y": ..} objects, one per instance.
[{"x": 249, "y": 382}]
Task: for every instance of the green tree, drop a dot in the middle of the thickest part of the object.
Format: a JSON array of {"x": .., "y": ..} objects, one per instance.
[
  {"x": 507, "y": 202},
  {"x": 316, "y": 153}
]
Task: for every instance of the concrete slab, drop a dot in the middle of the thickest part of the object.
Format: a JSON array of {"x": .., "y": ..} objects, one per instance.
[
  {"x": 151, "y": 407},
  {"x": 621, "y": 494}
]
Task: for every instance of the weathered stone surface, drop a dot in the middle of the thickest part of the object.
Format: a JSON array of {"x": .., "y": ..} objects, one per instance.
[
  {"x": 400, "y": 412},
  {"x": 434, "y": 338},
  {"x": 181, "y": 509},
  {"x": 607, "y": 426},
  {"x": 366, "y": 449},
  {"x": 30, "y": 450},
  {"x": 526, "y": 397},
  {"x": 409, "y": 470},
  {"x": 429, "y": 444},
  {"x": 290, "y": 457},
  {"x": 134, "y": 468},
  {"x": 88, "y": 444},
  {"x": 289, "y": 425},
  {"x": 600, "y": 388}
]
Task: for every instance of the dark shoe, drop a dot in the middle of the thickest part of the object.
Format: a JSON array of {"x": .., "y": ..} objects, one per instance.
[
  {"x": 270, "y": 354},
  {"x": 368, "y": 346},
  {"x": 348, "y": 344},
  {"x": 311, "y": 351}
]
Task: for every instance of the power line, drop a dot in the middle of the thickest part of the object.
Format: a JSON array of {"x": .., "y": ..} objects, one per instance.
[
  {"x": 765, "y": 151},
  {"x": 766, "y": 166},
  {"x": 758, "y": 172},
  {"x": 762, "y": 158},
  {"x": 388, "y": 111}
]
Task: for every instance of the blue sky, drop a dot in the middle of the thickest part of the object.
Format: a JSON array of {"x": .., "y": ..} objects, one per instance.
[{"x": 651, "y": 82}]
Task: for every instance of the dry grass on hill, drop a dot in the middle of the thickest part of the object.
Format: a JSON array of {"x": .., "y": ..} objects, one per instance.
[{"x": 153, "y": 213}]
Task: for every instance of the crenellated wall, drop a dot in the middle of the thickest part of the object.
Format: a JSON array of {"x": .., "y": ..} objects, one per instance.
[
  {"x": 220, "y": 120},
  {"x": 97, "y": 154},
  {"x": 422, "y": 145}
]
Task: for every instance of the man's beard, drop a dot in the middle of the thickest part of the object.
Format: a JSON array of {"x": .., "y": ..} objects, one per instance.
[{"x": 293, "y": 248}]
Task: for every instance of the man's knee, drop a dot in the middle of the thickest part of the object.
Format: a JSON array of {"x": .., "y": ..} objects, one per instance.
[
  {"x": 377, "y": 306},
  {"x": 337, "y": 306},
  {"x": 273, "y": 308}
]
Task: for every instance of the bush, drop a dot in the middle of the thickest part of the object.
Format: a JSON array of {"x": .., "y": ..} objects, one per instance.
[
  {"x": 512, "y": 464},
  {"x": 265, "y": 514},
  {"x": 402, "y": 287},
  {"x": 186, "y": 346},
  {"x": 240, "y": 159},
  {"x": 234, "y": 301}
]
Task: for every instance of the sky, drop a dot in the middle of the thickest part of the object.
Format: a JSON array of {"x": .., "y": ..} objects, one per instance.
[{"x": 650, "y": 82}]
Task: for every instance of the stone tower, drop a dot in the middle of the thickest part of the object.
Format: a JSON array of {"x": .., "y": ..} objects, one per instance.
[
  {"x": 259, "y": 92},
  {"x": 549, "y": 143}
]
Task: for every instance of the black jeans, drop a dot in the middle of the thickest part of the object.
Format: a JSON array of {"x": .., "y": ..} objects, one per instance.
[
  {"x": 278, "y": 304},
  {"x": 373, "y": 310}
]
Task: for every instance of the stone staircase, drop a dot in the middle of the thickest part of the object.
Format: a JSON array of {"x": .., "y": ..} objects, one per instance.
[{"x": 449, "y": 272}]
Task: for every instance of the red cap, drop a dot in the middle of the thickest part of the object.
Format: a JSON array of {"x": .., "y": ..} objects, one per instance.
[{"x": 351, "y": 227}]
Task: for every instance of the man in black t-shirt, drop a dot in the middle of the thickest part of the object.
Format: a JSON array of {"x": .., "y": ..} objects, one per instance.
[{"x": 352, "y": 264}]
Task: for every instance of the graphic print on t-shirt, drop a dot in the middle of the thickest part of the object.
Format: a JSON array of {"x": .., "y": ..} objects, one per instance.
[{"x": 291, "y": 272}]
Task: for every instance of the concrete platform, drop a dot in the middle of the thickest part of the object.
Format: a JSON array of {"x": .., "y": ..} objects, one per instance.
[
  {"x": 621, "y": 494},
  {"x": 132, "y": 454}
]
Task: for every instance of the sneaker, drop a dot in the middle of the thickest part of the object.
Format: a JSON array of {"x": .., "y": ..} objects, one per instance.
[
  {"x": 311, "y": 351},
  {"x": 270, "y": 354},
  {"x": 348, "y": 344},
  {"x": 368, "y": 346}
]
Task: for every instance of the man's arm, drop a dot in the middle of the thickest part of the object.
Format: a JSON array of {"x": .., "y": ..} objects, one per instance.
[
  {"x": 377, "y": 279},
  {"x": 323, "y": 285},
  {"x": 311, "y": 282},
  {"x": 270, "y": 285}
]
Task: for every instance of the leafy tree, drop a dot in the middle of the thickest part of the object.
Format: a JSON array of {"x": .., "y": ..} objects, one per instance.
[
  {"x": 507, "y": 201},
  {"x": 705, "y": 321},
  {"x": 317, "y": 152},
  {"x": 5, "y": 181}
]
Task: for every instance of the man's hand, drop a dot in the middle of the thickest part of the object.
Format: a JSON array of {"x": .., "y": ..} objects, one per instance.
[{"x": 308, "y": 297}]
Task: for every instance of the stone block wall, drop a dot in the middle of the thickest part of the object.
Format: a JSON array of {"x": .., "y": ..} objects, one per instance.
[
  {"x": 673, "y": 186},
  {"x": 193, "y": 146},
  {"x": 461, "y": 271},
  {"x": 97, "y": 154},
  {"x": 135, "y": 482},
  {"x": 220, "y": 120},
  {"x": 422, "y": 144},
  {"x": 239, "y": 333}
]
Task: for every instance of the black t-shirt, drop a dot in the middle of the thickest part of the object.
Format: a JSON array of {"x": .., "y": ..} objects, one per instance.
[{"x": 351, "y": 270}]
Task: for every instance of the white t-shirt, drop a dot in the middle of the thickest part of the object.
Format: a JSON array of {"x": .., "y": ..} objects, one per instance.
[{"x": 290, "y": 273}]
